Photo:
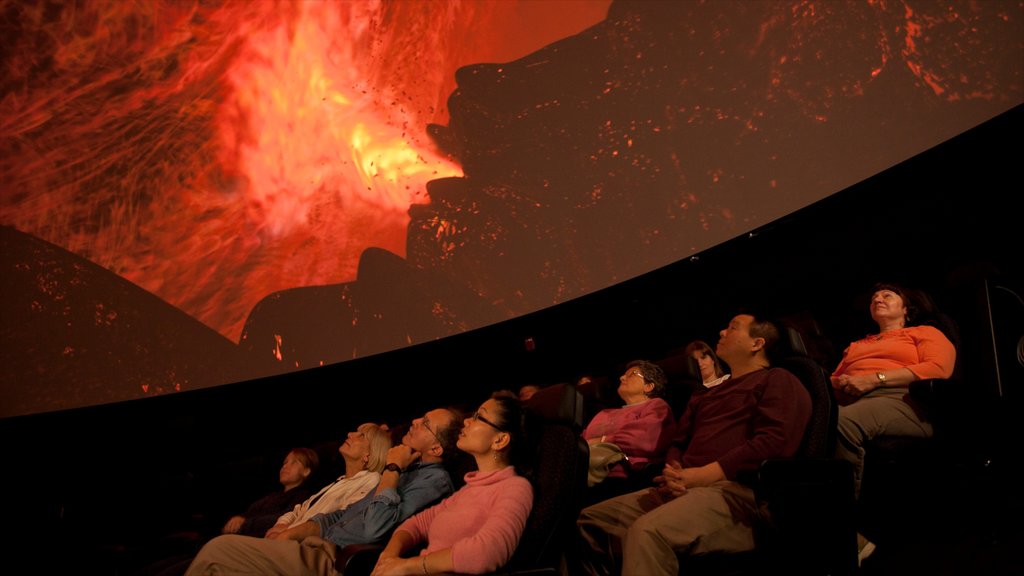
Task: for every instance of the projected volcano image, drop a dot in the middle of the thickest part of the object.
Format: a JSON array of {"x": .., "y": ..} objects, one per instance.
[{"x": 311, "y": 182}]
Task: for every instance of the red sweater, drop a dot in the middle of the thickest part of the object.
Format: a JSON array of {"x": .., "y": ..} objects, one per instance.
[{"x": 743, "y": 421}]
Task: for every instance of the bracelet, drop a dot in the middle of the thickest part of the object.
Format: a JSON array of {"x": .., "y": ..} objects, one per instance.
[{"x": 425, "y": 564}]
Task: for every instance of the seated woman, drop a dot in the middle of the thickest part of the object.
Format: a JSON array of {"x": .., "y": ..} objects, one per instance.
[
  {"x": 711, "y": 371},
  {"x": 873, "y": 379},
  {"x": 477, "y": 529},
  {"x": 299, "y": 464},
  {"x": 365, "y": 451},
  {"x": 642, "y": 428}
]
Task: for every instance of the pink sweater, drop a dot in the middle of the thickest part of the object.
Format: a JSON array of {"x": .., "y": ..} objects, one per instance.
[
  {"x": 643, "y": 431},
  {"x": 481, "y": 522}
]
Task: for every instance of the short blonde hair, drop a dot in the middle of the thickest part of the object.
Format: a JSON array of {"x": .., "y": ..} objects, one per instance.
[{"x": 379, "y": 442}]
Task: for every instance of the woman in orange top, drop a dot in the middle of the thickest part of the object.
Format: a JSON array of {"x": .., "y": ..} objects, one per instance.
[{"x": 873, "y": 379}]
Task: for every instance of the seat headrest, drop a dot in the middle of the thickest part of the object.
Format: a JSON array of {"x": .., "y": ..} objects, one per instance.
[{"x": 559, "y": 403}]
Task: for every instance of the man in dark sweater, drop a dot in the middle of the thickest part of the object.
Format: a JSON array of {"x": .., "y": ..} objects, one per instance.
[{"x": 701, "y": 502}]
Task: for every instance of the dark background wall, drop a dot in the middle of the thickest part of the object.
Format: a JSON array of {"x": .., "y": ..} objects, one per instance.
[{"x": 99, "y": 482}]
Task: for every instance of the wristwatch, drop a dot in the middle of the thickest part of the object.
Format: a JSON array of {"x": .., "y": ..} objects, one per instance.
[
  {"x": 881, "y": 378},
  {"x": 392, "y": 467}
]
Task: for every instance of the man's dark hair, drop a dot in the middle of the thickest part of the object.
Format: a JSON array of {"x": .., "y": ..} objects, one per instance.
[
  {"x": 764, "y": 327},
  {"x": 449, "y": 435}
]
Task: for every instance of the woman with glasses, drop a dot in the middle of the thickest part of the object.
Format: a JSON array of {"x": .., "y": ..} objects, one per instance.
[
  {"x": 476, "y": 529},
  {"x": 642, "y": 428}
]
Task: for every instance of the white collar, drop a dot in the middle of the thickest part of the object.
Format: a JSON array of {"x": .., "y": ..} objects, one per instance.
[{"x": 717, "y": 381}]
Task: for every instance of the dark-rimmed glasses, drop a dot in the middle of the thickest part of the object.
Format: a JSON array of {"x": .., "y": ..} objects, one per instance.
[
  {"x": 481, "y": 418},
  {"x": 424, "y": 422}
]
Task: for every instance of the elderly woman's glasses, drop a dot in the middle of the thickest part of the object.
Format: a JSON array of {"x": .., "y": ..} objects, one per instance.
[
  {"x": 479, "y": 417},
  {"x": 640, "y": 374}
]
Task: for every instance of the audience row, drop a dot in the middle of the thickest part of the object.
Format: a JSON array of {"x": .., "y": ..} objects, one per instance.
[{"x": 661, "y": 486}]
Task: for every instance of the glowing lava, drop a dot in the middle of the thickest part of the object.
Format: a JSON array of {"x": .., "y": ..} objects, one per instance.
[{"x": 216, "y": 152}]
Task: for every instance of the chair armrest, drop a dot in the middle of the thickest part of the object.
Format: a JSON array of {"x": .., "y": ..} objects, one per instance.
[{"x": 357, "y": 559}]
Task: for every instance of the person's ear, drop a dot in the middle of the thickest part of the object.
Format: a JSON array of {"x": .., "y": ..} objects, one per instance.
[
  {"x": 436, "y": 450},
  {"x": 501, "y": 441},
  {"x": 758, "y": 344}
]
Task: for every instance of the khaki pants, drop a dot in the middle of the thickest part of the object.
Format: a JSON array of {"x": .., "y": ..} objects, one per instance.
[
  {"x": 883, "y": 412},
  {"x": 646, "y": 531},
  {"x": 233, "y": 554}
]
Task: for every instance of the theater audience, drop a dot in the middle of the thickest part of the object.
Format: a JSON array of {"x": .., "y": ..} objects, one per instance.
[
  {"x": 477, "y": 529},
  {"x": 872, "y": 380},
  {"x": 702, "y": 501},
  {"x": 285, "y": 550}
]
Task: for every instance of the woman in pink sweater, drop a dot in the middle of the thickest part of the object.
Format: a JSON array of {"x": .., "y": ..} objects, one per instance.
[{"x": 476, "y": 529}]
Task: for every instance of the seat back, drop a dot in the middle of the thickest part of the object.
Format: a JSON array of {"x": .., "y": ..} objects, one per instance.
[
  {"x": 819, "y": 439},
  {"x": 559, "y": 403},
  {"x": 558, "y": 484},
  {"x": 808, "y": 500},
  {"x": 683, "y": 374}
]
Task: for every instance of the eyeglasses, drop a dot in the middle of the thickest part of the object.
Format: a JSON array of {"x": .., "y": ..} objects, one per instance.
[
  {"x": 424, "y": 422},
  {"x": 638, "y": 373},
  {"x": 477, "y": 416}
]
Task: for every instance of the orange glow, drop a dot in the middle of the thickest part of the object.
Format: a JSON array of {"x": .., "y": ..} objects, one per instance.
[
  {"x": 313, "y": 131},
  {"x": 216, "y": 152}
]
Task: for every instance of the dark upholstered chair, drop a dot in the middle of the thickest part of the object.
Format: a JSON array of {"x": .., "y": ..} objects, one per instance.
[{"x": 558, "y": 483}]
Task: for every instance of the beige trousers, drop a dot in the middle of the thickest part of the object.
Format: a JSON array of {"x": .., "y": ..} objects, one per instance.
[
  {"x": 232, "y": 554},
  {"x": 645, "y": 532}
]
